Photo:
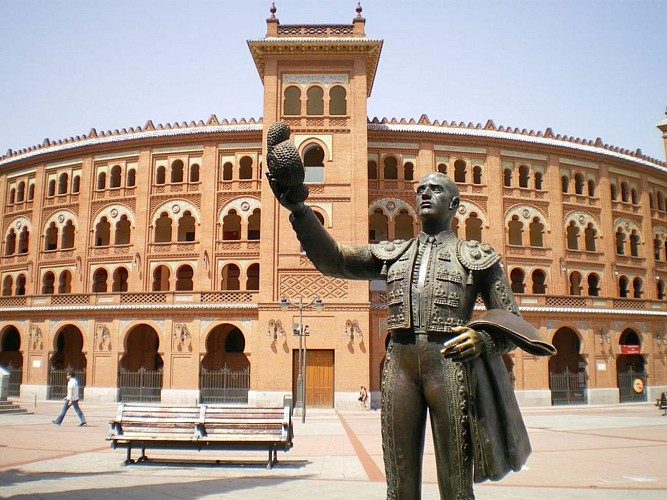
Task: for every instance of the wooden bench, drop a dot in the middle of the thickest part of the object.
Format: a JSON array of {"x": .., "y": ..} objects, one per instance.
[
  {"x": 661, "y": 403},
  {"x": 202, "y": 427}
]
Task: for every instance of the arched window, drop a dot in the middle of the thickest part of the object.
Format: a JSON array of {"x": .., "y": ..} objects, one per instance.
[
  {"x": 100, "y": 278},
  {"x": 315, "y": 101},
  {"x": 620, "y": 242},
  {"x": 516, "y": 279},
  {"x": 634, "y": 244},
  {"x": 593, "y": 285},
  {"x": 63, "y": 183},
  {"x": 524, "y": 175},
  {"x": 31, "y": 192},
  {"x": 186, "y": 227},
  {"x": 161, "y": 175},
  {"x": 245, "y": 168},
  {"x": 613, "y": 192},
  {"x": 184, "y": 276},
  {"x": 24, "y": 240},
  {"x": 657, "y": 248},
  {"x": 337, "y": 101},
  {"x": 477, "y": 175},
  {"x": 661, "y": 201},
  {"x": 12, "y": 196},
  {"x": 408, "y": 171},
  {"x": 403, "y": 225},
  {"x": 660, "y": 289},
  {"x": 536, "y": 233},
  {"x": 507, "y": 177},
  {"x": 578, "y": 183},
  {"x": 101, "y": 181},
  {"x": 7, "y": 285},
  {"x": 10, "y": 243},
  {"x": 120, "y": 276},
  {"x": 565, "y": 184},
  {"x": 227, "y": 171},
  {"x": 176, "y": 171},
  {"x": 20, "y": 284},
  {"x": 590, "y": 234},
  {"x": 68, "y": 236},
  {"x": 230, "y": 277},
  {"x": 625, "y": 192},
  {"x": 65, "y": 282},
  {"x": 460, "y": 171},
  {"x": 591, "y": 188},
  {"x": 254, "y": 224},
  {"x": 538, "y": 181},
  {"x": 194, "y": 173},
  {"x": 76, "y": 184},
  {"x": 231, "y": 226},
  {"x": 539, "y": 282},
  {"x": 163, "y": 228},
  {"x": 52, "y": 189},
  {"x": 48, "y": 281},
  {"x": 390, "y": 168},
  {"x": 123, "y": 231},
  {"x": 51, "y": 237},
  {"x": 292, "y": 101},
  {"x": 313, "y": 163},
  {"x": 634, "y": 196},
  {"x": 372, "y": 169},
  {"x": 378, "y": 227},
  {"x": 572, "y": 233},
  {"x": 637, "y": 286},
  {"x": 442, "y": 168},
  {"x": 102, "y": 233},
  {"x": 131, "y": 178},
  {"x": 252, "y": 283},
  {"x": 473, "y": 227},
  {"x": 20, "y": 192},
  {"x": 115, "y": 176},
  {"x": 161, "y": 276},
  {"x": 575, "y": 283},
  {"x": 515, "y": 229},
  {"x": 623, "y": 287}
]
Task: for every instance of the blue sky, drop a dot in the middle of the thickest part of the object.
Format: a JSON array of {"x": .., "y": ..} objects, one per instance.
[{"x": 585, "y": 68}]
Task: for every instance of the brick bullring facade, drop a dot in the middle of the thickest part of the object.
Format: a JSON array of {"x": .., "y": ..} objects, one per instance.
[{"x": 160, "y": 252}]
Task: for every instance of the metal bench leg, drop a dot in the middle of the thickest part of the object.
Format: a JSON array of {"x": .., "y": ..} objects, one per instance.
[
  {"x": 129, "y": 460},
  {"x": 143, "y": 457},
  {"x": 270, "y": 464}
]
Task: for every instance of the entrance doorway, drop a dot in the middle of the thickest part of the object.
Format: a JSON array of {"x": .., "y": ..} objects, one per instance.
[
  {"x": 140, "y": 371},
  {"x": 68, "y": 355},
  {"x": 319, "y": 377},
  {"x": 12, "y": 358},
  {"x": 630, "y": 369},
  {"x": 568, "y": 380},
  {"x": 224, "y": 376}
]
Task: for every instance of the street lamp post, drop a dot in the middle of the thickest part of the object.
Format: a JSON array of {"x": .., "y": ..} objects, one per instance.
[{"x": 317, "y": 303}]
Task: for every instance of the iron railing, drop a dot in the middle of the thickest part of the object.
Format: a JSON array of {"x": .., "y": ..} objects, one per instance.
[
  {"x": 630, "y": 390},
  {"x": 568, "y": 388},
  {"x": 57, "y": 388},
  {"x": 140, "y": 385},
  {"x": 224, "y": 385}
]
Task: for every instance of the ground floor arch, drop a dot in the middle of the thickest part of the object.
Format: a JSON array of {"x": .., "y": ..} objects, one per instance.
[
  {"x": 568, "y": 380},
  {"x": 631, "y": 368},
  {"x": 140, "y": 374},
  {"x": 11, "y": 358},
  {"x": 67, "y": 354},
  {"x": 224, "y": 371}
]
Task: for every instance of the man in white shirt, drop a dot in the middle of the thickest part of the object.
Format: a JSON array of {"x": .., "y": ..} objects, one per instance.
[{"x": 72, "y": 399}]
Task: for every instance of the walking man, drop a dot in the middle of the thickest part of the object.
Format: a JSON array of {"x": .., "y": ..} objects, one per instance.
[{"x": 72, "y": 399}]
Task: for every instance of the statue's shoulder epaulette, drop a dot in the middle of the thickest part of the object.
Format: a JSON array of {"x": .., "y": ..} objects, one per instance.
[
  {"x": 476, "y": 256},
  {"x": 390, "y": 250}
]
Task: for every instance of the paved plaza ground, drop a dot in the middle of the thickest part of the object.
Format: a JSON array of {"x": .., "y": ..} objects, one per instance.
[{"x": 582, "y": 452}]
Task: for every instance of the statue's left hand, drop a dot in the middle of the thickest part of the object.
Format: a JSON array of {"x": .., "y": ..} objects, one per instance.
[{"x": 466, "y": 346}]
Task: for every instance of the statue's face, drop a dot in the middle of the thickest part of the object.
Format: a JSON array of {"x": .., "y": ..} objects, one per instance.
[{"x": 435, "y": 195}]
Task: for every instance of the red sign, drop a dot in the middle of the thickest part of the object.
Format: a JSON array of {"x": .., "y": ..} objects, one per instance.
[{"x": 629, "y": 349}]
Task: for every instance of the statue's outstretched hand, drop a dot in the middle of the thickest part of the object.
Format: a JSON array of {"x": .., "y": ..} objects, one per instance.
[
  {"x": 282, "y": 193},
  {"x": 466, "y": 346}
]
